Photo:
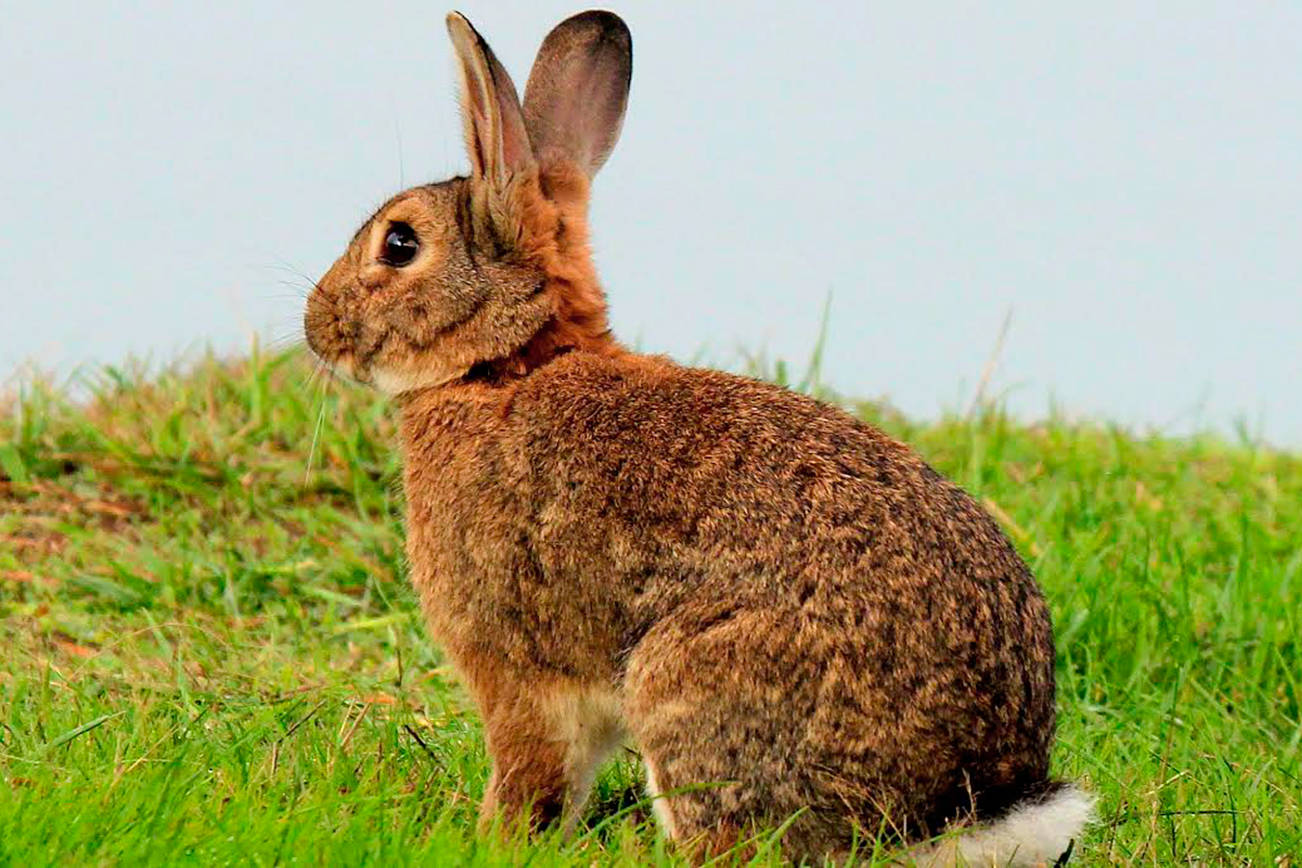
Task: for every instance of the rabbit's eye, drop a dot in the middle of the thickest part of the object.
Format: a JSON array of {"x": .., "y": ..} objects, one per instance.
[{"x": 400, "y": 245}]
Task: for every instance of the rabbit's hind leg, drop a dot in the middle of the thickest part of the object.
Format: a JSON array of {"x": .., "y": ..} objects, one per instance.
[{"x": 718, "y": 719}]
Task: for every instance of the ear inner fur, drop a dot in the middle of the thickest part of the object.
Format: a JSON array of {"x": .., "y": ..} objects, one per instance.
[{"x": 495, "y": 134}]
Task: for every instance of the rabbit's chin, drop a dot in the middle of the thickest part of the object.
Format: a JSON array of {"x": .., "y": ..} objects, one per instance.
[{"x": 397, "y": 380}]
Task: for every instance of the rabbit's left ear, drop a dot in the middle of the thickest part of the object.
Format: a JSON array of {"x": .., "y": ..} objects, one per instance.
[
  {"x": 577, "y": 92},
  {"x": 496, "y": 139}
]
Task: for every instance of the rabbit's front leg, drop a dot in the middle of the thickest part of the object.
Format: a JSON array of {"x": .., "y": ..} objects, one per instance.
[
  {"x": 527, "y": 783},
  {"x": 546, "y": 738}
]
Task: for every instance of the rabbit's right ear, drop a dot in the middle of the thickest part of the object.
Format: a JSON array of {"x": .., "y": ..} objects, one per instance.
[
  {"x": 490, "y": 110},
  {"x": 577, "y": 92}
]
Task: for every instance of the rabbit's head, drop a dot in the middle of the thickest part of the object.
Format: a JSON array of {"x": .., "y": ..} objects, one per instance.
[{"x": 489, "y": 274}]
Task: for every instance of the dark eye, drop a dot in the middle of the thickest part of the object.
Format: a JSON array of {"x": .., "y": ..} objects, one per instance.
[{"x": 400, "y": 245}]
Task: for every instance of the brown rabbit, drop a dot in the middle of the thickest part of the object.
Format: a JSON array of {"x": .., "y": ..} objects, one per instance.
[{"x": 789, "y": 613}]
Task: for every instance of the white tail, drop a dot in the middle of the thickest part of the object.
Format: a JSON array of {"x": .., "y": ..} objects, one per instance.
[{"x": 1032, "y": 833}]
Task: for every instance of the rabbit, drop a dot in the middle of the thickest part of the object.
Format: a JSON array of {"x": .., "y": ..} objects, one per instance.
[{"x": 797, "y": 622}]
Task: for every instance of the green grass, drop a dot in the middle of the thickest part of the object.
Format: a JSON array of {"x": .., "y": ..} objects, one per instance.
[{"x": 211, "y": 654}]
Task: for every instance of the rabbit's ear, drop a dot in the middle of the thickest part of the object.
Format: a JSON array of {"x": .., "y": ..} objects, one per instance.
[
  {"x": 577, "y": 92},
  {"x": 490, "y": 110}
]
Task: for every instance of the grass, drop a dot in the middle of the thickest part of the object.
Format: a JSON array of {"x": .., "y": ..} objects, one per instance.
[{"x": 211, "y": 654}]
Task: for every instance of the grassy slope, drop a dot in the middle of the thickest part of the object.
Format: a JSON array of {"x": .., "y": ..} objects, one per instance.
[{"x": 209, "y": 658}]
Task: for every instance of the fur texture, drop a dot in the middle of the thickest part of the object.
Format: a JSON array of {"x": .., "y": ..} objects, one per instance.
[{"x": 787, "y": 611}]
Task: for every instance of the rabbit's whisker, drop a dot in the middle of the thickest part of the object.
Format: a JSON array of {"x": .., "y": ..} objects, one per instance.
[{"x": 316, "y": 437}]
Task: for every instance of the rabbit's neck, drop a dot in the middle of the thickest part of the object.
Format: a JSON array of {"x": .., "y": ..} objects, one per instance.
[{"x": 550, "y": 214}]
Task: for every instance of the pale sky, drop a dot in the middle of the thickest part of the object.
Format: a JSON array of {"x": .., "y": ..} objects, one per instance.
[{"x": 1125, "y": 178}]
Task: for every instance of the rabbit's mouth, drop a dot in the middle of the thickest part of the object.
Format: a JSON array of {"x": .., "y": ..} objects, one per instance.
[
  {"x": 347, "y": 366},
  {"x": 338, "y": 364}
]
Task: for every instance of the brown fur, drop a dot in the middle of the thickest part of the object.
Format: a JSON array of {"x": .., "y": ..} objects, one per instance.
[{"x": 787, "y": 611}]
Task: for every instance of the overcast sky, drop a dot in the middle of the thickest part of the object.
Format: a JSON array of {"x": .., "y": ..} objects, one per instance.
[{"x": 1124, "y": 178}]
